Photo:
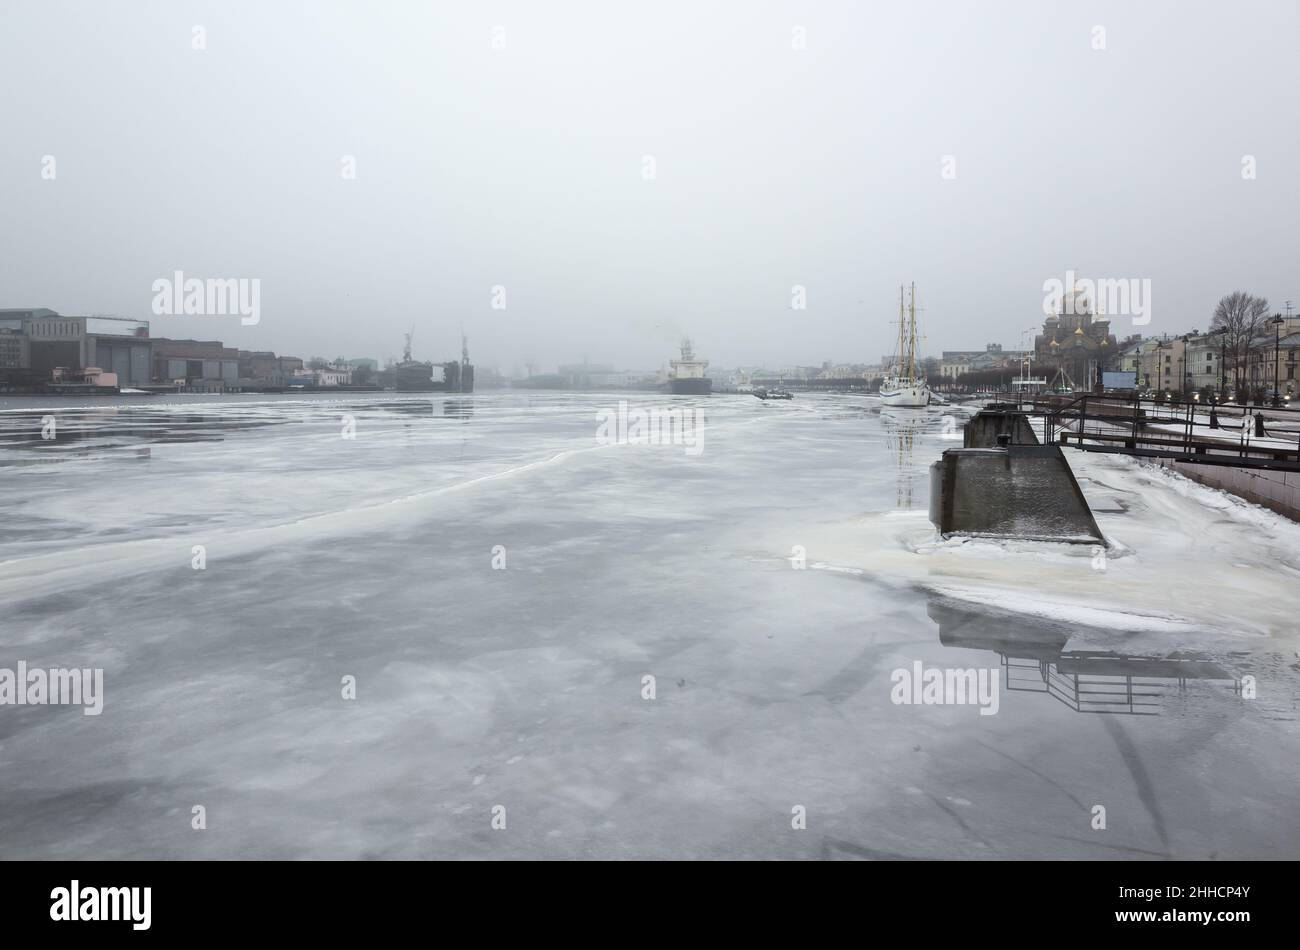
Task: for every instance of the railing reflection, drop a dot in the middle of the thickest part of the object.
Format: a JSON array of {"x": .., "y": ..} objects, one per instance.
[{"x": 1036, "y": 658}]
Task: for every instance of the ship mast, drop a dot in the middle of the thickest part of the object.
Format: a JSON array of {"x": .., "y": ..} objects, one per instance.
[
  {"x": 901, "y": 330},
  {"x": 911, "y": 333}
]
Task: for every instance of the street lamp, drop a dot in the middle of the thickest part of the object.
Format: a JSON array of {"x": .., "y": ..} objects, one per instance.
[
  {"x": 1162, "y": 384},
  {"x": 1277, "y": 336}
]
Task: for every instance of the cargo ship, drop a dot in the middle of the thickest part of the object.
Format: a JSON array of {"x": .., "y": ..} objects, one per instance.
[
  {"x": 416, "y": 376},
  {"x": 686, "y": 377}
]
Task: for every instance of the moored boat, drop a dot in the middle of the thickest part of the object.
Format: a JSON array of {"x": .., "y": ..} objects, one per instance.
[
  {"x": 686, "y": 377},
  {"x": 905, "y": 387}
]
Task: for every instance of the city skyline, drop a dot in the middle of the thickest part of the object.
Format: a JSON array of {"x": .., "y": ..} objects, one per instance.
[{"x": 928, "y": 350}]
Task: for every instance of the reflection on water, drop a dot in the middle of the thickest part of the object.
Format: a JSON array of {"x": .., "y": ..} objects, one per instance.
[
  {"x": 1036, "y": 658},
  {"x": 112, "y": 431},
  {"x": 901, "y": 427},
  {"x": 424, "y": 408}
]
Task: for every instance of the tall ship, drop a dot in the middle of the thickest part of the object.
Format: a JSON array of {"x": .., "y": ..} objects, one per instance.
[
  {"x": 686, "y": 377},
  {"x": 416, "y": 376},
  {"x": 904, "y": 387}
]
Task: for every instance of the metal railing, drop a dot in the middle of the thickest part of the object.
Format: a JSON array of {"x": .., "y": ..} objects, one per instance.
[{"x": 1241, "y": 436}]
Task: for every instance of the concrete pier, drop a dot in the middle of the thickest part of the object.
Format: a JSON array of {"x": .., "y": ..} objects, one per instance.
[
  {"x": 1017, "y": 491},
  {"x": 983, "y": 430}
]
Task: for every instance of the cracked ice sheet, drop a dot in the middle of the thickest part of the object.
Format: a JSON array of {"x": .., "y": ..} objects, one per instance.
[{"x": 522, "y": 687}]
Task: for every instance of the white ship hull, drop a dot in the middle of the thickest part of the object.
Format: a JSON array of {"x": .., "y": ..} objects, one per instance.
[{"x": 910, "y": 395}]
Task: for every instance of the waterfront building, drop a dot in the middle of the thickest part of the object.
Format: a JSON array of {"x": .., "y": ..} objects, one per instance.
[
  {"x": 1185, "y": 364},
  {"x": 1288, "y": 373},
  {"x": 1127, "y": 358},
  {"x": 953, "y": 364},
  {"x": 1076, "y": 343},
  {"x": 1160, "y": 363},
  {"x": 258, "y": 369},
  {"x": 1273, "y": 353},
  {"x": 1204, "y": 358},
  {"x": 15, "y": 353},
  {"x": 329, "y": 376},
  {"x": 40, "y": 340},
  {"x": 262, "y": 369},
  {"x": 845, "y": 371},
  {"x": 197, "y": 365}
]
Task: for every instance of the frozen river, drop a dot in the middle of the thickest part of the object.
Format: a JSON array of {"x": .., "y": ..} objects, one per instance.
[{"x": 500, "y": 583}]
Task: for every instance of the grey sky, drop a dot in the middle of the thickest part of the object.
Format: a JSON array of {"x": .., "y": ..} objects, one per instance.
[{"x": 522, "y": 167}]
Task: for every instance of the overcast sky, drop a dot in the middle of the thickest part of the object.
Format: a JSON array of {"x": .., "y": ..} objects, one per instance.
[{"x": 524, "y": 167}]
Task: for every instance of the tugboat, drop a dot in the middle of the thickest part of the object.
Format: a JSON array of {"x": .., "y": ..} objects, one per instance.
[
  {"x": 686, "y": 378},
  {"x": 904, "y": 387}
]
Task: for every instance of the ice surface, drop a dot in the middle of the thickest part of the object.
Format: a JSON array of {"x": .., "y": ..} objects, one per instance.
[{"x": 522, "y": 687}]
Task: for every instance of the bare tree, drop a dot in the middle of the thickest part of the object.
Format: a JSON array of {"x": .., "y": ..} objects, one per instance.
[{"x": 1241, "y": 318}]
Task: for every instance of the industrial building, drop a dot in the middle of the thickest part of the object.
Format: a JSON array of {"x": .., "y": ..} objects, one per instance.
[
  {"x": 14, "y": 350},
  {"x": 198, "y": 365},
  {"x": 37, "y": 340},
  {"x": 262, "y": 370}
]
